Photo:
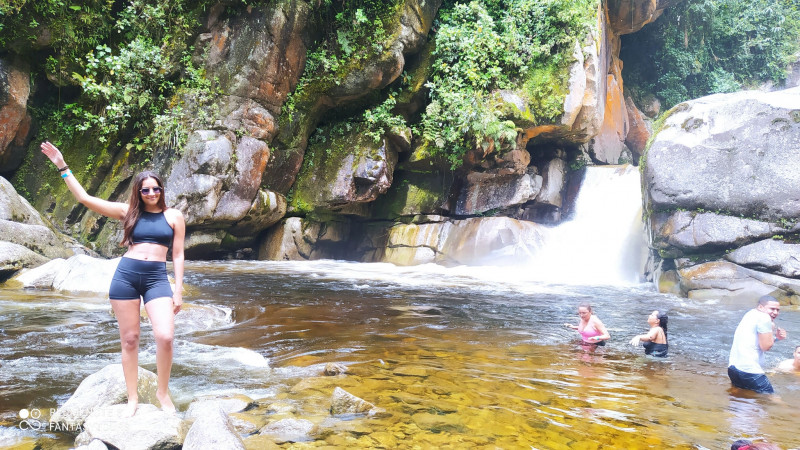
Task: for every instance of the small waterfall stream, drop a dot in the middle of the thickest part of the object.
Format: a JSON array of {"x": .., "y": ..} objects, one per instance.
[{"x": 604, "y": 243}]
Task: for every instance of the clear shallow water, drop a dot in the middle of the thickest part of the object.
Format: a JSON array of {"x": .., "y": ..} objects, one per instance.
[{"x": 460, "y": 356}]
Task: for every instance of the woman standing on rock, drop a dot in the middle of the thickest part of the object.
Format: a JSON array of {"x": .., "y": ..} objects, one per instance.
[
  {"x": 655, "y": 341},
  {"x": 591, "y": 329},
  {"x": 150, "y": 228}
]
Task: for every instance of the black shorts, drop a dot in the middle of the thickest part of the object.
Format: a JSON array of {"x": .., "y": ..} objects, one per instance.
[
  {"x": 757, "y": 382},
  {"x": 135, "y": 278}
]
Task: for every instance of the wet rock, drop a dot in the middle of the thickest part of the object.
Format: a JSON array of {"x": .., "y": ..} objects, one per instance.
[
  {"x": 80, "y": 273},
  {"x": 332, "y": 369},
  {"x": 40, "y": 277},
  {"x": 685, "y": 232},
  {"x": 14, "y": 257},
  {"x": 639, "y": 129},
  {"x": 297, "y": 239},
  {"x": 608, "y": 145},
  {"x": 15, "y": 121},
  {"x": 204, "y": 406},
  {"x": 725, "y": 280},
  {"x": 343, "y": 402},
  {"x": 769, "y": 255},
  {"x": 212, "y": 429},
  {"x": 553, "y": 182},
  {"x": 728, "y": 152},
  {"x": 103, "y": 388},
  {"x": 290, "y": 430},
  {"x": 149, "y": 428},
  {"x": 630, "y": 16},
  {"x": 246, "y": 424},
  {"x": 487, "y": 191}
]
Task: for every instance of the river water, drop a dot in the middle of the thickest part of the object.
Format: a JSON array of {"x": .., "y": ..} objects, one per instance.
[{"x": 460, "y": 357}]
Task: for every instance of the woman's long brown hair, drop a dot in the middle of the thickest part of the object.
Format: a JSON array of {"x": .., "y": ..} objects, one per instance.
[{"x": 136, "y": 205}]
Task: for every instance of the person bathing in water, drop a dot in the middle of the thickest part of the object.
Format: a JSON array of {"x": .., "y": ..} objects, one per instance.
[
  {"x": 791, "y": 365},
  {"x": 591, "y": 329},
  {"x": 655, "y": 341},
  {"x": 150, "y": 228}
]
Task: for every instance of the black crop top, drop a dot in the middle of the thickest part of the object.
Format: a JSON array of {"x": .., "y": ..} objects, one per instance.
[{"x": 152, "y": 228}]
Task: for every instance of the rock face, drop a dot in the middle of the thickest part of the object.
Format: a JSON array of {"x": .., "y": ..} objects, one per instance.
[
  {"x": 489, "y": 240},
  {"x": 736, "y": 155},
  {"x": 630, "y": 16},
  {"x": 738, "y": 145},
  {"x": 102, "y": 389},
  {"x": 15, "y": 121}
]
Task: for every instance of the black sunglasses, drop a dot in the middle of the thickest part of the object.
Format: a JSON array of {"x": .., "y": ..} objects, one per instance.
[{"x": 146, "y": 191}]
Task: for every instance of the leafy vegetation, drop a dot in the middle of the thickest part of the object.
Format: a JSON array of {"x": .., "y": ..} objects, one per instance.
[
  {"x": 130, "y": 59},
  {"x": 496, "y": 44},
  {"x": 700, "y": 47}
]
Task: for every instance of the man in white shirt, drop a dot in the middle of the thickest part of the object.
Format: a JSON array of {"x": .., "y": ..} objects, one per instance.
[{"x": 753, "y": 337}]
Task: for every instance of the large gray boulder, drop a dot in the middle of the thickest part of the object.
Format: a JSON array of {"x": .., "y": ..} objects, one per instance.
[
  {"x": 21, "y": 224},
  {"x": 80, "y": 273},
  {"x": 212, "y": 429},
  {"x": 150, "y": 428},
  {"x": 728, "y": 152},
  {"x": 769, "y": 255},
  {"x": 14, "y": 257},
  {"x": 104, "y": 388},
  {"x": 728, "y": 281},
  {"x": 685, "y": 232},
  {"x": 345, "y": 170},
  {"x": 487, "y": 191},
  {"x": 216, "y": 184}
]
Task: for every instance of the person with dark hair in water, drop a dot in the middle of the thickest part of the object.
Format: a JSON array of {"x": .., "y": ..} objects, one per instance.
[
  {"x": 150, "y": 229},
  {"x": 751, "y": 340},
  {"x": 655, "y": 341}
]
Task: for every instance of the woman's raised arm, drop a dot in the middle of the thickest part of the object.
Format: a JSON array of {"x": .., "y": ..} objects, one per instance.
[{"x": 114, "y": 210}]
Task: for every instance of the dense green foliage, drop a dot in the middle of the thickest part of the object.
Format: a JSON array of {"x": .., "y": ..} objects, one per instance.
[
  {"x": 701, "y": 47},
  {"x": 129, "y": 59},
  {"x": 496, "y": 44}
]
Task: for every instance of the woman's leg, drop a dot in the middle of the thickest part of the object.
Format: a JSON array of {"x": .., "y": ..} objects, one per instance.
[
  {"x": 162, "y": 318},
  {"x": 127, "y": 312}
]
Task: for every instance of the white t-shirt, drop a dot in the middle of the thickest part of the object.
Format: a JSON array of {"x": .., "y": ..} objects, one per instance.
[{"x": 746, "y": 354}]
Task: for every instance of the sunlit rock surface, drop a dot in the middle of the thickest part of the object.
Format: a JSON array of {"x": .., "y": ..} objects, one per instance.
[
  {"x": 104, "y": 388},
  {"x": 729, "y": 152},
  {"x": 149, "y": 428}
]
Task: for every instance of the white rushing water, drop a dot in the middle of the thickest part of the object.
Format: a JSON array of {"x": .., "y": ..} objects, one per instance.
[{"x": 604, "y": 243}]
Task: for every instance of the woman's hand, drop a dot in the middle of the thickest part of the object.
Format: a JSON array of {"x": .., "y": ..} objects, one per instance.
[
  {"x": 177, "y": 302},
  {"x": 569, "y": 325},
  {"x": 52, "y": 152},
  {"x": 635, "y": 341}
]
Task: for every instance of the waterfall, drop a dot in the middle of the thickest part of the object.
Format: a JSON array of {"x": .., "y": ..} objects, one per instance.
[{"x": 604, "y": 243}]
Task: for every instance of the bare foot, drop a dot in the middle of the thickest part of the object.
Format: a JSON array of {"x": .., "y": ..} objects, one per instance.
[
  {"x": 166, "y": 402},
  {"x": 130, "y": 410}
]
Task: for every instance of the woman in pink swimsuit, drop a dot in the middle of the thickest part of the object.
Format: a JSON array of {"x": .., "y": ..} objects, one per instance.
[{"x": 591, "y": 329}]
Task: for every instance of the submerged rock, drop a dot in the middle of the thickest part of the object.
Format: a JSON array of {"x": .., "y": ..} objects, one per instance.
[
  {"x": 332, "y": 369},
  {"x": 343, "y": 402},
  {"x": 103, "y": 388},
  {"x": 290, "y": 430},
  {"x": 149, "y": 428}
]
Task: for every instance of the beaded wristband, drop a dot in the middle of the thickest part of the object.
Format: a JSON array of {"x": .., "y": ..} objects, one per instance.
[{"x": 66, "y": 174}]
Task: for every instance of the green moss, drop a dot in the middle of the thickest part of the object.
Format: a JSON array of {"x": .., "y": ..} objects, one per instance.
[{"x": 546, "y": 85}]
